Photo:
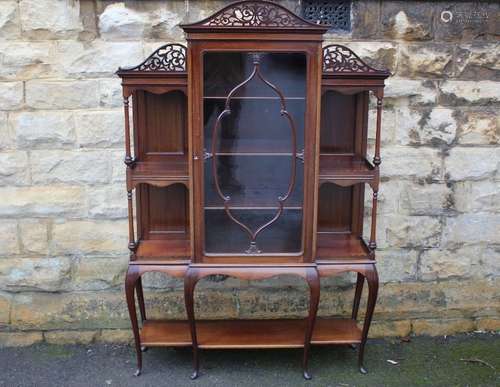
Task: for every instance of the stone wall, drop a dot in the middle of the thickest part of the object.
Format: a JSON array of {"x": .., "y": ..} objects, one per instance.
[{"x": 63, "y": 204}]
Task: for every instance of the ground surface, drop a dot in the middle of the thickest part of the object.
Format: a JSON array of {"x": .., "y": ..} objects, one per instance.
[{"x": 421, "y": 362}]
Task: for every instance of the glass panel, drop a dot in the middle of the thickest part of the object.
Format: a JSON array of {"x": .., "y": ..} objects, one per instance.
[{"x": 254, "y": 107}]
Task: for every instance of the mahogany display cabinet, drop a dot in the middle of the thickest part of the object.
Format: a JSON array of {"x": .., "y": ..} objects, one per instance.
[{"x": 246, "y": 156}]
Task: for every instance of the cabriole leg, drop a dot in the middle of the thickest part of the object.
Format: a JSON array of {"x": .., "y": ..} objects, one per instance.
[
  {"x": 372, "y": 280},
  {"x": 130, "y": 285},
  {"x": 312, "y": 278},
  {"x": 189, "y": 284}
]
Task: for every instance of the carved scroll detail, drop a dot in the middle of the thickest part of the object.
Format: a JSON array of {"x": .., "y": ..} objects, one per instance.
[
  {"x": 168, "y": 58},
  {"x": 340, "y": 59}
]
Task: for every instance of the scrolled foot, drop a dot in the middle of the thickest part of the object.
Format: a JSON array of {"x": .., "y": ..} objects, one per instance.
[
  {"x": 306, "y": 375},
  {"x": 363, "y": 370},
  {"x": 137, "y": 372},
  {"x": 144, "y": 349},
  {"x": 194, "y": 375}
]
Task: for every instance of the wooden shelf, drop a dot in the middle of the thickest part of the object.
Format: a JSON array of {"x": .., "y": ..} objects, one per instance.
[
  {"x": 174, "y": 170},
  {"x": 249, "y": 333},
  {"x": 156, "y": 251},
  {"x": 338, "y": 248},
  {"x": 347, "y": 168}
]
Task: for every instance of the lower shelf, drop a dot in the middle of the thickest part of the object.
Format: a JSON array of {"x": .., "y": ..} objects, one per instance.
[
  {"x": 162, "y": 250},
  {"x": 249, "y": 333},
  {"x": 341, "y": 247}
]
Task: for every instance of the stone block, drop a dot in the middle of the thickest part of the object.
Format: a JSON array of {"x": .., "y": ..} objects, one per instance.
[
  {"x": 472, "y": 163},
  {"x": 408, "y": 231},
  {"x": 407, "y": 20},
  {"x": 410, "y": 92},
  {"x": 20, "y": 339},
  {"x": 99, "y": 273},
  {"x": 488, "y": 324},
  {"x": 381, "y": 329},
  {"x": 10, "y": 241},
  {"x": 466, "y": 21},
  {"x": 397, "y": 265},
  {"x": 119, "y": 168},
  {"x": 11, "y": 95},
  {"x": 10, "y": 27},
  {"x": 110, "y": 94},
  {"x": 157, "y": 20},
  {"x": 34, "y": 236},
  {"x": 70, "y": 337},
  {"x": 157, "y": 280},
  {"x": 35, "y": 130},
  {"x": 472, "y": 228},
  {"x": 434, "y": 127},
  {"x": 109, "y": 202},
  {"x": 4, "y": 308},
  {"x": 97, "y": 58},
  {"x": 26, "y": 60},
  {"x": 8, "y": 137},
  {"x": 477, "y": 196},
  {"x": 426, "y": 199},
  {"x": 63, "y": 311},
  {"x": 438, "y": 327},
  {"x": 476, "y": 261},
  {"x": 43, "y": 201},
  {"x": 14, "y": 168},
  {"x": 469, "y": 93},
  {"x": 439, "y": 300},
  {"x": 100, "y": 129},
  {"x": 41, "y": 94},
  {"x": 89, "y": 237},
  {"x": 407, "y": 162},
  {"x": 365, "y": 19},
  {"x": 34, "y": 274},
  {"x": 478, "y": 61},
  {"x": 57, "y": 166},
  {"x": 275, "y": 303},
  {"x": 115, "y": 336},
  {"x": 50, "y": 19},
  {"x": 432, "y": 60},
  {"x": 478, "y": 127}
]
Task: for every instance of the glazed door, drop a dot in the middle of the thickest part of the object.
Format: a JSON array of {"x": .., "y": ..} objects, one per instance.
[{"x": 254, "y": 107}]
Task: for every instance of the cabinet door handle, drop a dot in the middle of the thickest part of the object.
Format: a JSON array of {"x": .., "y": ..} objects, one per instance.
[{"x": 195, "y": 157}]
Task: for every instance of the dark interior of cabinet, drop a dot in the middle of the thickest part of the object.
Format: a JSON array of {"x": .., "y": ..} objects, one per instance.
[{"x": 342, "y": 136}]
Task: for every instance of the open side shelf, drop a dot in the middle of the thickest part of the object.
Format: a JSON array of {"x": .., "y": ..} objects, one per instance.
[
  {"x": 345, "y": 167},
  {"x": 174, "y": 170},
  {"x": 333, "y": 247},
  {"x": 249, "y": 333},
  {"x": 156, "y": 251}
]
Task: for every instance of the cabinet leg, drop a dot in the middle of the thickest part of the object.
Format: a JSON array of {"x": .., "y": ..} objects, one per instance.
[
  {"x": 372, "y": 280},
  {"x": 312, "y": 278},
  {"x": 140, "y": 298},
  {"x": 130, "y": 285},
  {"x": 189, "y": 285},
  {"x": 357, "y": 296}
]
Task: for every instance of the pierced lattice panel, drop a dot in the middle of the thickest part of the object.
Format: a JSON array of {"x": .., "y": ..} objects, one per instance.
[{"x": 336, "y": 14}]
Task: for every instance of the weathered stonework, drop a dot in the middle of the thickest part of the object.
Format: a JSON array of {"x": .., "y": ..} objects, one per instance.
[{"x": 63, "y": 206}]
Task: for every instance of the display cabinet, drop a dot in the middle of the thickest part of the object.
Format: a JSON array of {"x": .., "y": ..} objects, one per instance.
[{"x": 246, "y": 156}]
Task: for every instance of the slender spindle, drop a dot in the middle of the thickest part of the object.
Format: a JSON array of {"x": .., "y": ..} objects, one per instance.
[
  {"x": 131, "y": 234},
  {"x": 129, "y": 161},
  {"x": 376, "y": 159},
  {"x": 373, "y": 244}
]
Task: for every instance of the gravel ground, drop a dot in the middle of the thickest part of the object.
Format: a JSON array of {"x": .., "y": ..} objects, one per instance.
[{"x": 465, "y": 360}]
